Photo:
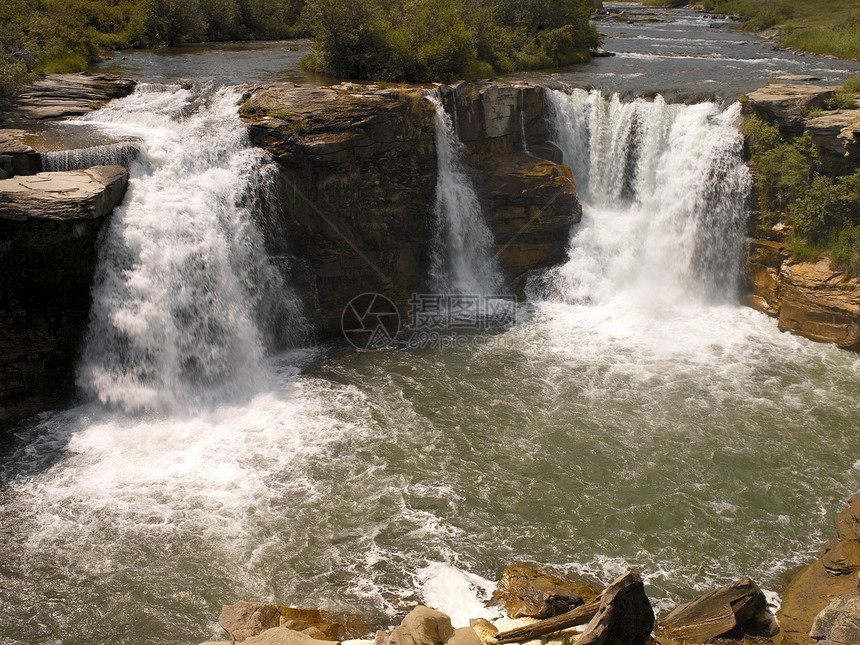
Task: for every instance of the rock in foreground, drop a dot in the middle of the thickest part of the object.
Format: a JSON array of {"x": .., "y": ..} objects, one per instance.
[
  {"x": 525, "y": 592},
  {"x": 625, "y": 616},
  {"x": 839, "y": 622},
  {"x": 733, "y": 609}
]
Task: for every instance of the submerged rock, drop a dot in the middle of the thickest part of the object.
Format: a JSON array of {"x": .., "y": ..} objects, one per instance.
[
  {"x": 526, "y": 592},
  {"x": 625, "y": 616},
  {"x": 738, "y": 608}
]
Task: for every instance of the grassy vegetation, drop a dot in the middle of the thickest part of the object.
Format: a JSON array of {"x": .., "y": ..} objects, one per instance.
[
  {"x": 439, "y": 40},
  {"x": 817, "y": 195},
  {"x": 55, "y": 36}
]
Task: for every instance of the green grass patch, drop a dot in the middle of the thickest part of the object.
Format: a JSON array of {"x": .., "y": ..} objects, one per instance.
[
  {"x": 830, "y": 41},
  {"x": 62, "y": 62}
]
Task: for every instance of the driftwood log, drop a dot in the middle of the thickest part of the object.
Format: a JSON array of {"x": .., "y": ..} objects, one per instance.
[{"x": 572, "y": 618}]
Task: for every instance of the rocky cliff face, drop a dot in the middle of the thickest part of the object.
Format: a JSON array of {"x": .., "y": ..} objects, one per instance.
[
  {"x": 49, "y": 224},
  {"x": 358, "y": 170},
  {"x": 808, "y": 298}
]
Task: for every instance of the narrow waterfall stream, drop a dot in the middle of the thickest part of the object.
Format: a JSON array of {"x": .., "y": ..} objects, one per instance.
[
  {"x": 464, "y": 258},
  {"x": 638, "y": 418}
]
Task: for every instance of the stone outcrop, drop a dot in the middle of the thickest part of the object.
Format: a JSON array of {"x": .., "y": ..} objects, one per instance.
[
  {"x": 789, "y": 104},
  {"x": 16, "y": 157},
  {"x": 358, "y": 171},
  {"x": 72, "y": 194},
  {"x": 625, "y": 616},
  {"x": 61, "y": 95},
  {"x": 525, "y": 592},
  {"x": 808, "y": 298},
  {"x": 839, "y": 622},
  {"x": 832, "y": 575},
  {"x": 49, "y": 226},
  {"x": 736, "y": 609},
  {"x": 245, "y": 619}
]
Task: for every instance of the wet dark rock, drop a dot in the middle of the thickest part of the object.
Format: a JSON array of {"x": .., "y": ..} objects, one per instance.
[
  {"x": 49, "y": 227},
  {"x": 625, "y": 616},
  {"x": 358, "y": 170},
  {"x": 526, "y": 592}
]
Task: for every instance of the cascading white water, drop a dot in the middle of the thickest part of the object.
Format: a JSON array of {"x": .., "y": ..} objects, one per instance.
[
  {"x": 464, "y": 257},
  {"x": 664, "y": 191},
  {"x": 184, "y": 291},
  {"x": 112, "y": 154}
]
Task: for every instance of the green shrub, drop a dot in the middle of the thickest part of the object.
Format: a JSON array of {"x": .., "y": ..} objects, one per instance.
[
  {"x": 845, "y": 251},
  {"x": 441, "y": 40}
]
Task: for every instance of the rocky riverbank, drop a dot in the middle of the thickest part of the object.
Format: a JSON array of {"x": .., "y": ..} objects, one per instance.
[
  {"x": 821, "y": 606},
  {"x": 808, "y": 297}
]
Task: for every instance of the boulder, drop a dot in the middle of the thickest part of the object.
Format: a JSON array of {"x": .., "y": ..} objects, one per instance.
[
  {"x": 525, "y": 592},
  {"x": 465, "y": 636},
  {"x": 625, "y": 616},
  {"x": 245, "y": 619},
  {"x": 839, "y": 622},
  {"x": 485, "y": 630},
  {"x": 72, "y": 194},
  {"x": 740, "y": 607},
  {"x": 284, "y": 636},
  {"x": 422, "y": 626}
]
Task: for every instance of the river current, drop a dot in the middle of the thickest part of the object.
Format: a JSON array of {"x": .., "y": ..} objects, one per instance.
[{"x": 635, "y": 416}]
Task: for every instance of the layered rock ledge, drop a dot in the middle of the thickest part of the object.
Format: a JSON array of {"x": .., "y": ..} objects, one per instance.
[
  {"x": 61, "y": 95},
  {"x": 49, "y": 225},
  {"x": 809, "y": 298}
]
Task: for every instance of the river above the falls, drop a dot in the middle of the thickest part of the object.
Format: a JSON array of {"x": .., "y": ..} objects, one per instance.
[{"x": 635, "y": 416}]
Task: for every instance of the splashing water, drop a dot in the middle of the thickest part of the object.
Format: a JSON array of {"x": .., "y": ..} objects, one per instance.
[
  {"x": 464, "y": 257},
  {"x": 184, "y": 290},
  {"x": 664, "y": 191}
]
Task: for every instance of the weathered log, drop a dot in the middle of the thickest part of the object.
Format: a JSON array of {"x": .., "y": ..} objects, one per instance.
[{"x": 579, "y": 616}]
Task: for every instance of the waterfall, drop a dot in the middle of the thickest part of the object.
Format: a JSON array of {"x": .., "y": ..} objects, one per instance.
[
  {"x": 185, "y": 298},
  {"x": 463, "y": 259},
  {"x": 664, "y": 190},
  {"x": 112, "y": 154}
]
